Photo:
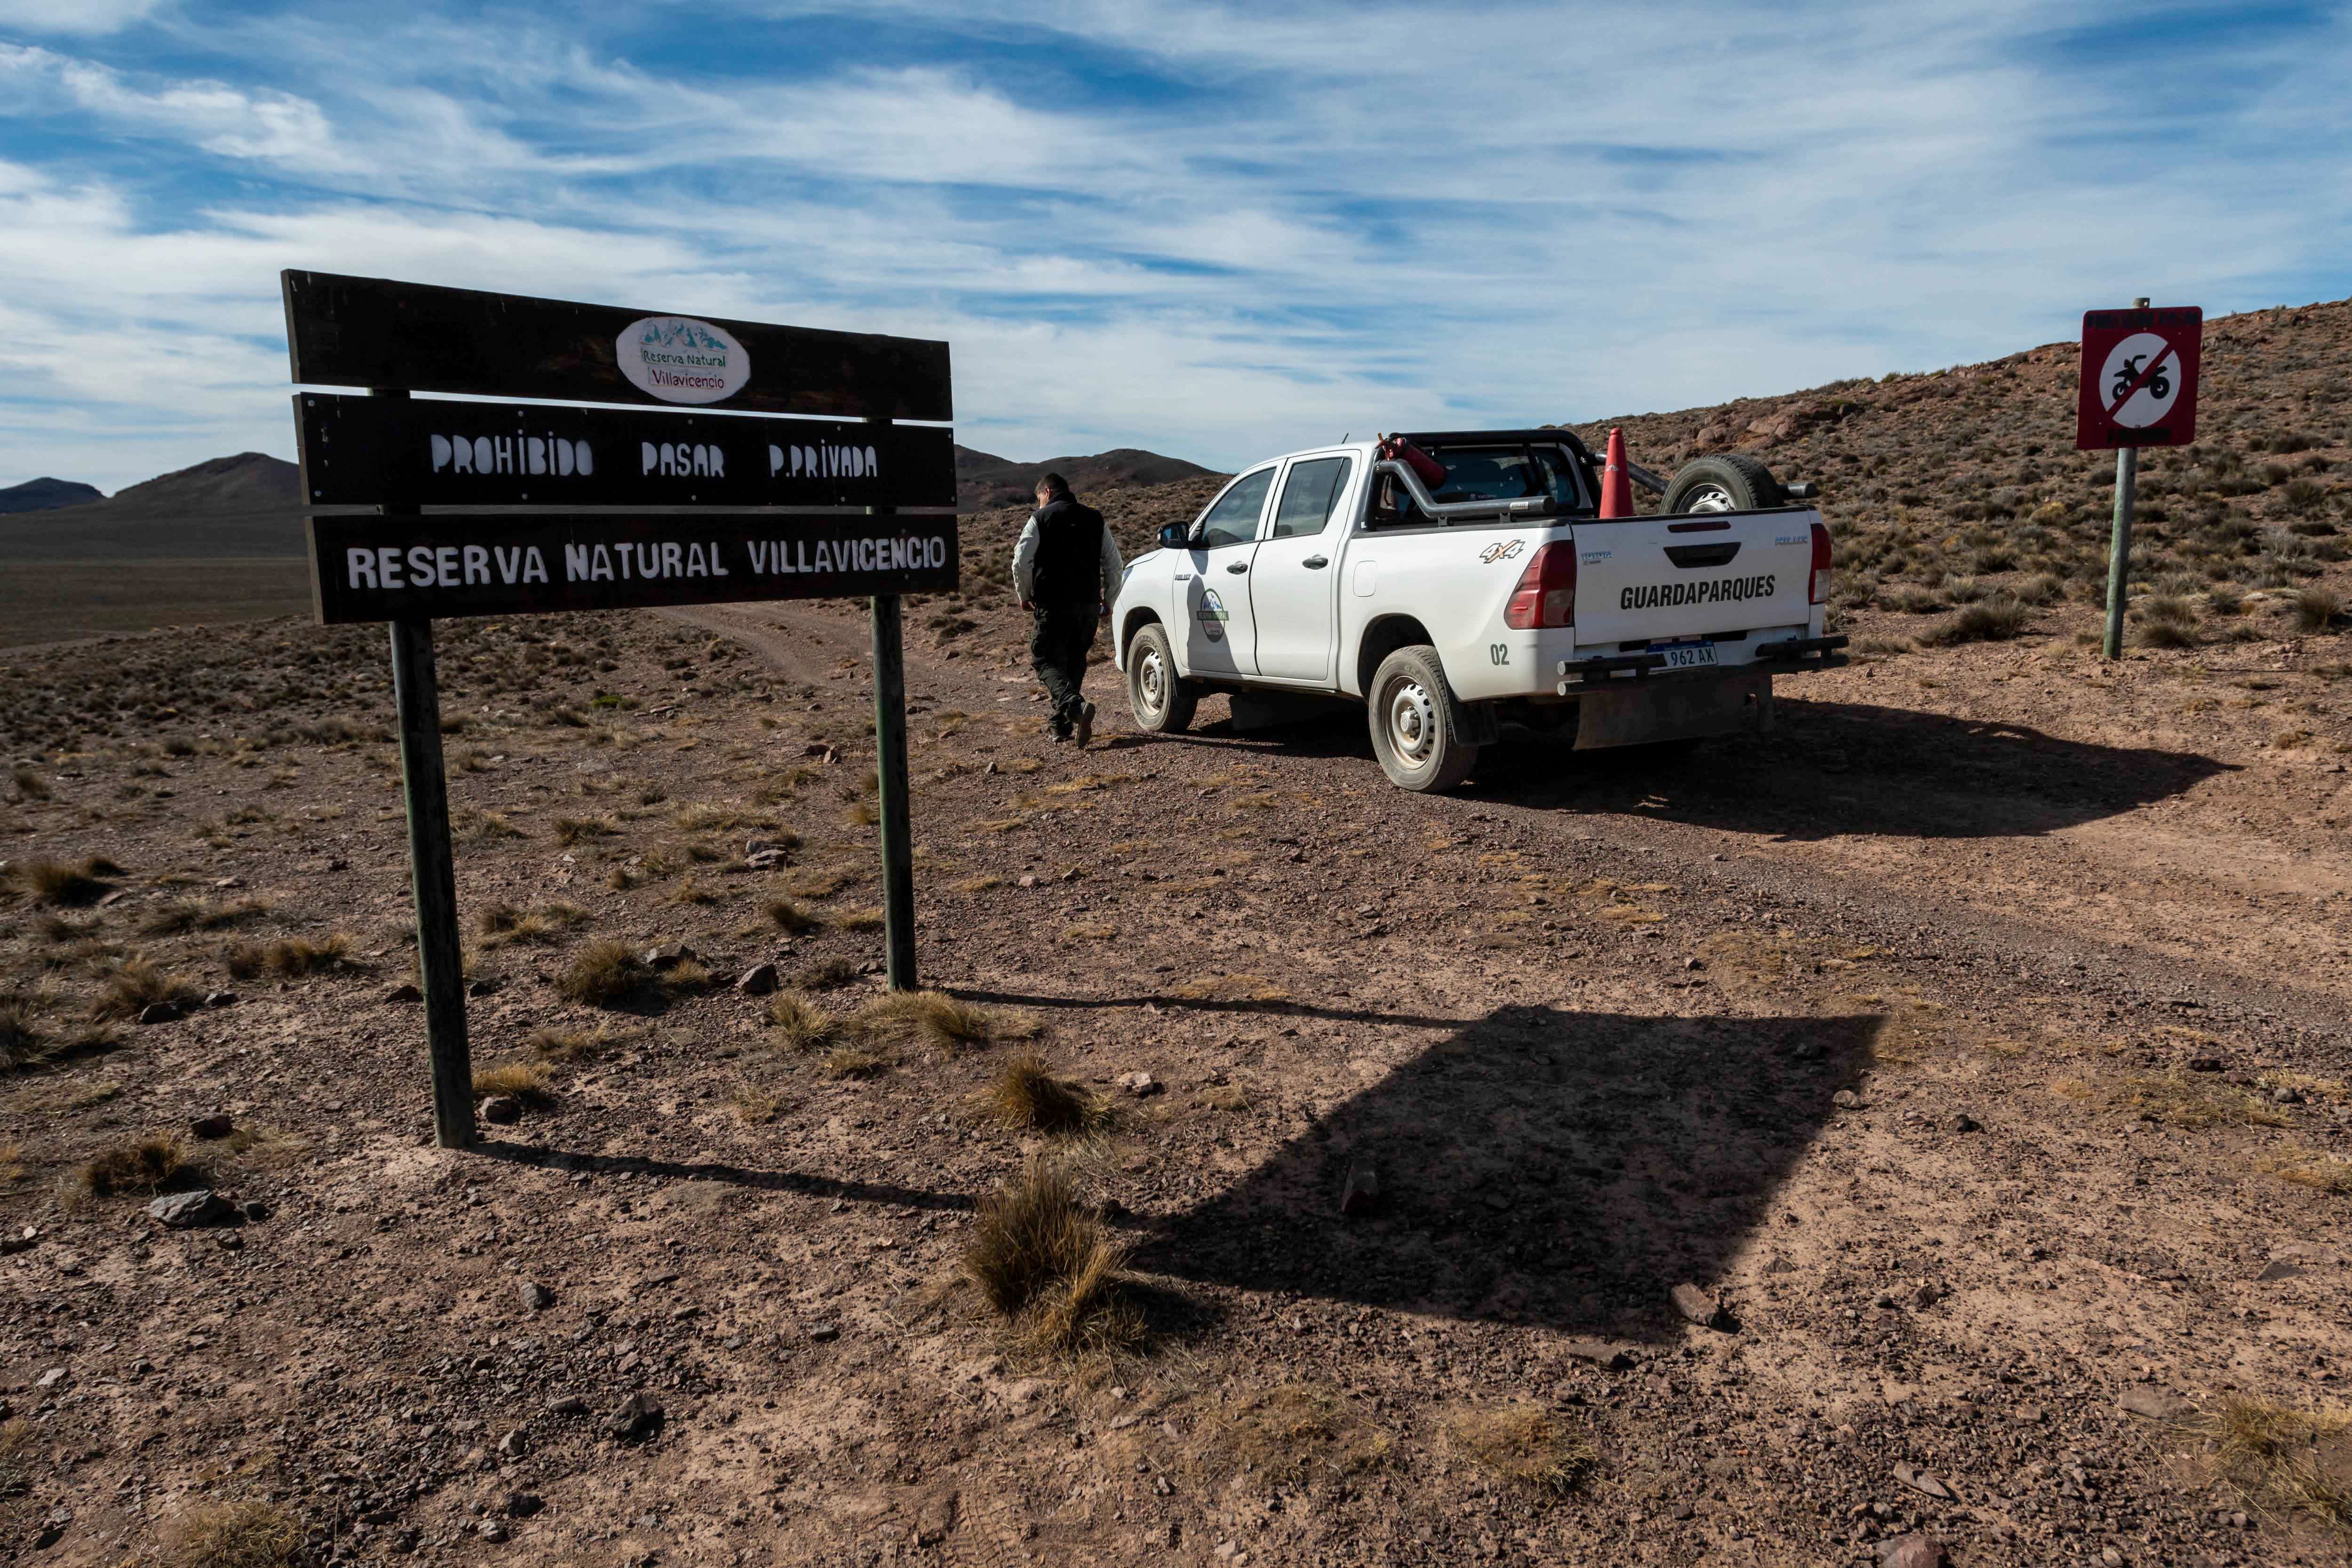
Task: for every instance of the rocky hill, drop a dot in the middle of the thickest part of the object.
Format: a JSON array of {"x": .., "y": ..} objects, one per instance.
[
  {"x": 984, "y": 479},
  {"x": 45, "y": 494},
  {"x": 1957, "y": 484},
  {"x": 245, "y": 506}
]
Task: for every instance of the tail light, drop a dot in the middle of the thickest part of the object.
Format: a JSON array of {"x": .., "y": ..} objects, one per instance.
[
  {"x": 1546, "y": 594},
  {"x": 1820, "y": 565}
]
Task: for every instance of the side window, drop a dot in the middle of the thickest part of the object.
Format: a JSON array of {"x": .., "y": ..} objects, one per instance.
[
  {"x": 1308, "y": 496},
  {"x": 1234, "y": 519}
]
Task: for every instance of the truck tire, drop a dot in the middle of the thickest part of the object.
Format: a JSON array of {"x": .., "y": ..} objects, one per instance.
[
  {"x": 1730, "y": 481},
  {"x": 1161, "y": 701},
  {"x": 1413, "y": 722}
]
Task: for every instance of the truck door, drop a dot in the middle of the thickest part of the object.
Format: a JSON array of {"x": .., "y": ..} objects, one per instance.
[
  {"x": 1292, "y": 581},
  {"x": 1213, "y": 579}
]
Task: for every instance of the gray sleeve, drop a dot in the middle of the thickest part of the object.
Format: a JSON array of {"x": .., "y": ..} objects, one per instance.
[
  {"x": 1114, "y": 570},
  {"x": 1025, "y": 563}
]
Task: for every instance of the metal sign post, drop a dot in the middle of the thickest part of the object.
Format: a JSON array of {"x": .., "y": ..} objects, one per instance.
[
  {"x": 2136, "y": 387},
  {"x": 696, "y": 539}
]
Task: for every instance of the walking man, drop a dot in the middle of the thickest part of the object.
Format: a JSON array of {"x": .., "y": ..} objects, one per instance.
[{"x": 1066, "y": 572}]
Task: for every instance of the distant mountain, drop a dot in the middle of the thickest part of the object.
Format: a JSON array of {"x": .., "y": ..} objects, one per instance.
[
  {"x": 245, "y": 506},
  {"x": 46, "y": 495},
  {"x": 984, "y": 479}
]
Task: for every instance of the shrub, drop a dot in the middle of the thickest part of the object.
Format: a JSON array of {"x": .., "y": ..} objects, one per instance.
[
  {"x": 570, "y": 830},
  {"x": 790, "y": 918},
  {"x": 135, "y": 985},
  {"x": 146, "y": 1164},
  {"x": 2275, "y": 1456},
  {"x": 526, "y": 1081},
  {"x": 931, "y": 1015},
  {"x": 1023, "y": 1094},
  {"x": 1993, "y": 620},
  {"x": 603, "y": 975},
  {"x": 1524, "y": 1445},
  {"x": 1043, "y": 1262},
  {"x": 799, "y": 1023},
  {"x": 2167, "y": 621},
  {"x": 2315, "y": 608},
  {"x": 295, "y": 956},
  {"x": 235, "y": 1535},
  {"x": 503, "y": 923},
  {"x": 61, "y": 882}
]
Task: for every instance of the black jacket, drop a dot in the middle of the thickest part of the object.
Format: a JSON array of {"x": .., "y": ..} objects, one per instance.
[{"x": 1068, "y": 569}]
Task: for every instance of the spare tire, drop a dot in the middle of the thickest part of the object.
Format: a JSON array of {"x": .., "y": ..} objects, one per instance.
[{"x": 1729, "y": 482}]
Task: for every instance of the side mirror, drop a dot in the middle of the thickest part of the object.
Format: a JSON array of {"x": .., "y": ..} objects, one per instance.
[{"x": 1174, "y": 536}]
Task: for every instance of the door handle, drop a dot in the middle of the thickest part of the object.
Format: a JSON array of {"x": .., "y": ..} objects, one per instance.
[
  {"x": 1236, "y": 566},
  {"x": 1316, "y": 563}
]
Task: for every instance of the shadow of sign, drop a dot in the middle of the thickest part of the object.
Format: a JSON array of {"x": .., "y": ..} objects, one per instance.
[{"x": 1554, "y": 1168}]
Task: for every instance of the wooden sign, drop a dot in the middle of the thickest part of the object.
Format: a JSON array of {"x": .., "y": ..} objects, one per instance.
[
  {"x": 374, "y": 332},
  {"x": 368, "y": 568},
  {"x": 373, "y": 451}
]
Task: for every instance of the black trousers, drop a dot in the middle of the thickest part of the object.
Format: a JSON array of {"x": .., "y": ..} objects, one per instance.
[{"x": 1059, "y": 646}]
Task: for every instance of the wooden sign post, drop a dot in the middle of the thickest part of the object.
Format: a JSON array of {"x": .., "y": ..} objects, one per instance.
[{"x": 605, "y": 509}]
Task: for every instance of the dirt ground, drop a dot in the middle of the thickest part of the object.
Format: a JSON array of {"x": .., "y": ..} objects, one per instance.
[{"x": 1977, "y": 1043}]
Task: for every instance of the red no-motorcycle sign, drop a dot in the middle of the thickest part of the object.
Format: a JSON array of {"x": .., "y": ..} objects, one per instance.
[{"x": 2140, "y": 378}]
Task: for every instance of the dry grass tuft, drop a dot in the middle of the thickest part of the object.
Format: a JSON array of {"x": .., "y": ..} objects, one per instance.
[
  {"x": 2284, "y": 1459},
  {"x": 292, "y": 957},
  {"x": 235, "y": 1535},
  {"x": 855, "y": 1062},
  {"x": 756, "y": 1107},
  {"x": 570, "y": 830},
  {"x": 1023, "y": 1094},
  {"x": 829, "y": 974},
  {"x": 2307, "y": 1168},
  {"x": 1525, "y": 1446},
  {"x": 603, "y": 975},
  {"x": 564, "y": 1046},
  {"x": 144, "y": 1166},
  {"x": 801, "y": 1023},
  {"x": 934, "y": 1017},
  {"x": 61, "y": 883},
  {"x": 20, "y": 1038},
  {"x": 1044, "y": 1261},
  {"x": 176, "y": 917},
  {"x": 135, "y": 984},
  {"x": 1303, "y": 1429},
  {"x": 540, "y": 924},
  {"x": 2188, "y": 1100},
  {"x": 526, "y": 1081},
  {"x": 788, "y": 917},
  {"x": 2315, "y": 608},
  {"x": 1990, "y": 620}
]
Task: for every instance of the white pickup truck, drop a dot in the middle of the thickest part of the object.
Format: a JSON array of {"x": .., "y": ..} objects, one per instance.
[{"x": 1494, "y": 594}]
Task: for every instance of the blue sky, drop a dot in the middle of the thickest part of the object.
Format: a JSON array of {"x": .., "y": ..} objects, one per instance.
[{"x": 1214, "y": 232}]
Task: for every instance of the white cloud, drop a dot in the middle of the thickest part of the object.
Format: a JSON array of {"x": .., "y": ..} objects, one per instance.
[
  {"x": 1331, "y": 218},
  {"x": 80, "y": 16},
  {"x": 274, "y": 127}
]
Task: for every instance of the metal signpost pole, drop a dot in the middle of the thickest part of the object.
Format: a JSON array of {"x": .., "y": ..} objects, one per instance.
[
  {"x": 2119, "y": 543},
  {"x": 890, "y": 771},
  {"x": 416, "y": 693}
]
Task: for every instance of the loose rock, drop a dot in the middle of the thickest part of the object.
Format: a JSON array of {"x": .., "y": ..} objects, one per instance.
[
  {"x": 514, "y": 1445},
  {"x": 1912, "y": 1551},
  {"x": 637, "y": 1419},
  {"x": 1698, "y": 1307},
  {"x": 216, "y": 1125},
  {"x": 1921, "y": 1481},
  {"x": 536, "y": 1297},
  {"x": 160, "y": 1012},
  {"x": 502, "y": 1108},
  {"x": 759, "y": 980},
  {"x": 1360, "y": 1189},
  {"x": 404, "y": 992},
  {"x": 1141, "y": 1085},
  {"x": 1607, "y": 1357},
  {"x": 2154, "y": 1404},
  {"x": 181, "y": 1210}
]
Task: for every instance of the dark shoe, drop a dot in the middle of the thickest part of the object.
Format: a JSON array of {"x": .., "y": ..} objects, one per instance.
[
  {"x": 1057, "y": 730},
  {"x": 1086, "y": 725}
]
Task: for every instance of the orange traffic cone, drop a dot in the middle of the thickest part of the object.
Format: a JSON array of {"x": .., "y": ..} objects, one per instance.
[{"x": 1616, "y": 487}]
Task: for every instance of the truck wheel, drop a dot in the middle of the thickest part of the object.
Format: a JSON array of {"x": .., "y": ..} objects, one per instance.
[
  {"x": 1411, "y": 713},
  {"x": 1728, "y": 482},
  {"x": 1161, "y": 699}
]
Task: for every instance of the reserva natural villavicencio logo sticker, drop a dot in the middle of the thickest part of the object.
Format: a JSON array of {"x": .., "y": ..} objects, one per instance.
[{"x": 680, "y": 359}]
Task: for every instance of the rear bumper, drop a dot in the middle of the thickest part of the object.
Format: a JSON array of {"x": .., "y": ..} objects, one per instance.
[
  {"x": 1790, "y": 656},
  {"x": 1678, "y": 708}
]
